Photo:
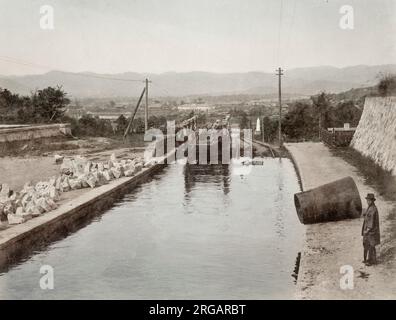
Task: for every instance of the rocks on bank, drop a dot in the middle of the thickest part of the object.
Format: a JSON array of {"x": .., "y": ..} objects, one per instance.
[{"x": 75, "y": 173}]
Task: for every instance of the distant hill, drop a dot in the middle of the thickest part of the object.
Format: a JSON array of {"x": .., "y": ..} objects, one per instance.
[{"x": 302, "y": 81}]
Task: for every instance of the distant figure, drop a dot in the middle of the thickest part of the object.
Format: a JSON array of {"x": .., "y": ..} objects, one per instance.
[{"x": 370, "y": 231}]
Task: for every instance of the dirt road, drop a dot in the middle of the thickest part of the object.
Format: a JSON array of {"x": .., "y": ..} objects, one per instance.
[{"x": 329, "y": 246}]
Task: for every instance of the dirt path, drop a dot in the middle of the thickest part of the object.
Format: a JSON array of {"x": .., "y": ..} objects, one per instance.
[{"x": 332, "y": 245}]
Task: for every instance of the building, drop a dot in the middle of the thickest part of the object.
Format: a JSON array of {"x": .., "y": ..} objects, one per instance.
[{"x": 195, "y": 107}]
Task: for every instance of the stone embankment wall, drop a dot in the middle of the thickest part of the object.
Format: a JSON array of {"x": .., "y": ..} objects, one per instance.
[
  {"x": 34, "y": 132},
  {"x": 375, "y": 136}
]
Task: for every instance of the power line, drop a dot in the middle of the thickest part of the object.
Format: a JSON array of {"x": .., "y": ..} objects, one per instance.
[
  {"x": 102, "y": 77},
  {"x": 161, "y": 89},
  {"x": 279, "y": 73},
  {"x": 22, "y": 62},
  {"x": 31, "y": 64}
]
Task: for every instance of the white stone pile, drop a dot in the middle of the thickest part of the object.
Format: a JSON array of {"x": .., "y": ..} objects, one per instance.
[
  {"x": 31, "y": 201},
  {"x": 80, "y": 173},
  {"x": 76, "y": 173}
]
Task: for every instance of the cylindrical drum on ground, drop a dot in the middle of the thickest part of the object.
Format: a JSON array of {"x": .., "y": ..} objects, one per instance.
[{"x": 334, "y": 201}]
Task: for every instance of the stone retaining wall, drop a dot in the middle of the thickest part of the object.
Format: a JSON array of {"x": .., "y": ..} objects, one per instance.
[{"x": 375, "y": 136}]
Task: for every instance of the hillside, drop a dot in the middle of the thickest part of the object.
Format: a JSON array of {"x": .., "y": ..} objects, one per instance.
[{"x": 303, "y": 81}]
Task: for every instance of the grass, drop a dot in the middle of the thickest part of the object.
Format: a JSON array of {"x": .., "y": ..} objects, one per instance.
[
  {"x": 385, "y": 184},
  {"x": 35, "y": 147},
  {"x": 373, "y": 174},
  {"x": 41, "y": 146}
]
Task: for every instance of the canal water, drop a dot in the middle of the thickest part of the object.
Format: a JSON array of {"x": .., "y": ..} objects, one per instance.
[{"x": 190, "y": 232}]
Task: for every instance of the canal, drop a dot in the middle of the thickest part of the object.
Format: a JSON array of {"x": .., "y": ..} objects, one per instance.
[{"x": 190, "y": 232}]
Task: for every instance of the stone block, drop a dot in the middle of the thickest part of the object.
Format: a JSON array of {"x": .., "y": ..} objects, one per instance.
[
  {"x": 87, "y": 167},
  {"x": 116, "y": 172},
  {"x": 43, "y": 205},
  {"x": 91, "y": 181},
  {"x": 58, "y": 183},
  {"x": 129, "y": 173},
  {"x": 138, "y": 166},
  {"x": 5, "y": 190},
  {"x": 8, "y": 208},
  {"x": 21, "y": 213},
  {"x": 75, "y": 183},
  {"x": 13, "y": 219},
  {"x": 106, "y": 175},
  {"x": 65, "y": 186},
  {"x": 100, "y": 166}
]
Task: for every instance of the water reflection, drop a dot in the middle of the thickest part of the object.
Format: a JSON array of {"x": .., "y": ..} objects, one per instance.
[
  {"x": 279, "y": 224},
  {"x": 218, "y": 174}
]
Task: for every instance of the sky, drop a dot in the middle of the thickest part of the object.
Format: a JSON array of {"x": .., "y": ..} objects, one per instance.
[{"x": 155, "y": 36}]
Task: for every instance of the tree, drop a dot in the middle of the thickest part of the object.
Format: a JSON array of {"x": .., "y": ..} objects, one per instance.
[
  {"x": 387, "y": 85},
  {"x": 122, "y": 124},
  {"x": 347, "y": 112},
  {"x": 299, "y": 122},
  {"x": 323, "y": 110},
  {"x": 9, "y": 106},
  {"x": 138, "y": 125},
  {"x": 244, "y": 122},
  {"x": 190, "y": 115},
  {"x": 8, "y": 99},
  {"x": 201, "y": 119},
  {"x": 50, "y": 103},
  {"x": 93, "y": 126},
  {"x": 112, "y": 104},
  {"x": 270, "y": 129}
]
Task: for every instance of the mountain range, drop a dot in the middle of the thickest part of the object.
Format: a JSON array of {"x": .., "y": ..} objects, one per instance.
[{"x": 301, "y": 81}]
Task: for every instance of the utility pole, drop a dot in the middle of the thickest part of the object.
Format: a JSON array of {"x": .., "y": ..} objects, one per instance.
[
  {"x": 146, "y": 108},
  {"x": 280, "y": 74},
  {"x": 134, "y": 113},
  {"x": 320, "y": 125}
]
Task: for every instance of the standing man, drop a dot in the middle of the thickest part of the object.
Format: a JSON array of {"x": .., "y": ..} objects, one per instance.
[{"x": 370, "y": 231}]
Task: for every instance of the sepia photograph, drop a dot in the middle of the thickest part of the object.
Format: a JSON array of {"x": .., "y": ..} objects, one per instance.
[{"x": 216, "y": 151}]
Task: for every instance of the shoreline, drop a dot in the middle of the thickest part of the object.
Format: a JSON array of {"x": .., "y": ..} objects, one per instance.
[{"x": 329, "y": 246}]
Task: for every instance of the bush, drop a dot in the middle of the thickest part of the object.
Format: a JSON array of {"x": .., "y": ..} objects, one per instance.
[
  {"x": 387, "y": 85},
  {"x": 300, "y": 122}
]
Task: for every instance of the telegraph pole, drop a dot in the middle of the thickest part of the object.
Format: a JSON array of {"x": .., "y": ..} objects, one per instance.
[
  {"x": 146, "y": 108},
  {"x": 280, "y": 74}
]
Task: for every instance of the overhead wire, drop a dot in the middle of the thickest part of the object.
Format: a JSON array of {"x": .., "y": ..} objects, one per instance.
[{"x": 88, "y": 75}]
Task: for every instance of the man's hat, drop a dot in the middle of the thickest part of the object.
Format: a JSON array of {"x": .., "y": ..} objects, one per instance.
[{"x": 370, "y": 196}]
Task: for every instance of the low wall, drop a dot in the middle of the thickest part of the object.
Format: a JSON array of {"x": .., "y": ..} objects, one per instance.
[
  {"x": 375, "y": 136},
  {"x": 21, "y": 240},
  {"x": 34, "y": 132}
]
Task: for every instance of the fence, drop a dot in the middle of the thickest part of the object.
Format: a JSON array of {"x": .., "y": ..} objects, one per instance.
[{"x": 337, "y": 137}]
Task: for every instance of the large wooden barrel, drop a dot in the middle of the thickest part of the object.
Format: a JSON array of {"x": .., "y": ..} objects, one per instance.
[{"x": 334, "y": 201}]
